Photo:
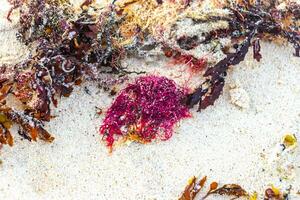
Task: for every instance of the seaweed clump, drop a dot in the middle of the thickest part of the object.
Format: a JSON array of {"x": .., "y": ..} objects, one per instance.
[
  {"x": 232, "y": 191},
  {"x": 70, "y": 46},
  {"x": 248, "y": 23},
  {"x": 145, "y": 110},
  {"x": 195, "y": 186},
  {"x": 67, "y": 48}
]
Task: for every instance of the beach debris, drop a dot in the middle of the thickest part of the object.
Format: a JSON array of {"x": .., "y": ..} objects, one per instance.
[
  {"x": 194, "y": 187},
  {"x": 239, "y": 97},
  {"x": 289, "y": 141},
  {"x": 233, "y": 191},
  {"x": 249, "y": 22},
  {"x": 195, "y": 64},
  {"x": 68, "y": 48},
  {"x": 256, "y": 50},
  {"x": 212, "y": 87},
  {"x": 72, "y": 45},
  {"x": 273, "y": 193},
  {"x": 5, "y": 135},
  {"x": 145, "y": 110},
  {"x": 283, "y": 158}
]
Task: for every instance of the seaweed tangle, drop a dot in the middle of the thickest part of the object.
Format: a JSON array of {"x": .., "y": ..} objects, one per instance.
[
  {"x": 145, "y": 110},
  {"x": 249, "y": 22},
  {"x": 70, "y": 46},
  {"x": 66, "y": 50}
]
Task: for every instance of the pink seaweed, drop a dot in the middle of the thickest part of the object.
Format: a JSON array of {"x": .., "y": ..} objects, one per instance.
[{"x": 148, "y": 109}]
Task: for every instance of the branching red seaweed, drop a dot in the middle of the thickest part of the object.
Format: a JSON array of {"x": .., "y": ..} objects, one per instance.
[{"x": 147, "y": 109}]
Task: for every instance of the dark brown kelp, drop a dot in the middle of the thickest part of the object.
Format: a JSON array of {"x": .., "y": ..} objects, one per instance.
[
  {"x": 249, "y": 21},
  {"x": 211, "y": 89}
]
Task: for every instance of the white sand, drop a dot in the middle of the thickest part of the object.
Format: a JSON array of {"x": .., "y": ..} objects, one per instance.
[{"x": 228, "y": 142}]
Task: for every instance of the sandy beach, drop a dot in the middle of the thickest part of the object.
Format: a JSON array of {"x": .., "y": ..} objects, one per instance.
[{"x": 234, "y": 141}]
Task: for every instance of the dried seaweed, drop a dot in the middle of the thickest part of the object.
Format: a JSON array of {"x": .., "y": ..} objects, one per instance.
[
  {"x": 248, "y": 22},
  {"x": 273, "y": 193},
  {"x": 188, "y": 43},
  {"x": 194, "y": 187},
  {"x": 234, "y": 191},
  {"x": 230, "y": 190},
  {"x": 67, "y": 50},
  {"x": 256, "y": 50}
]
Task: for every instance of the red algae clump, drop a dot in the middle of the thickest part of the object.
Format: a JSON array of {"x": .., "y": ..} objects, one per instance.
[
  {"x": 145, "y": 110},
  {"x": 195, "y": 64}
]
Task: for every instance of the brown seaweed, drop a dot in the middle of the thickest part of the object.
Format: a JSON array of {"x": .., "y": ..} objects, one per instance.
[
  {"x": 248, "y": 22},
  {"x": 194, "y": 187},
  {"x": 67, "y": 50}
]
